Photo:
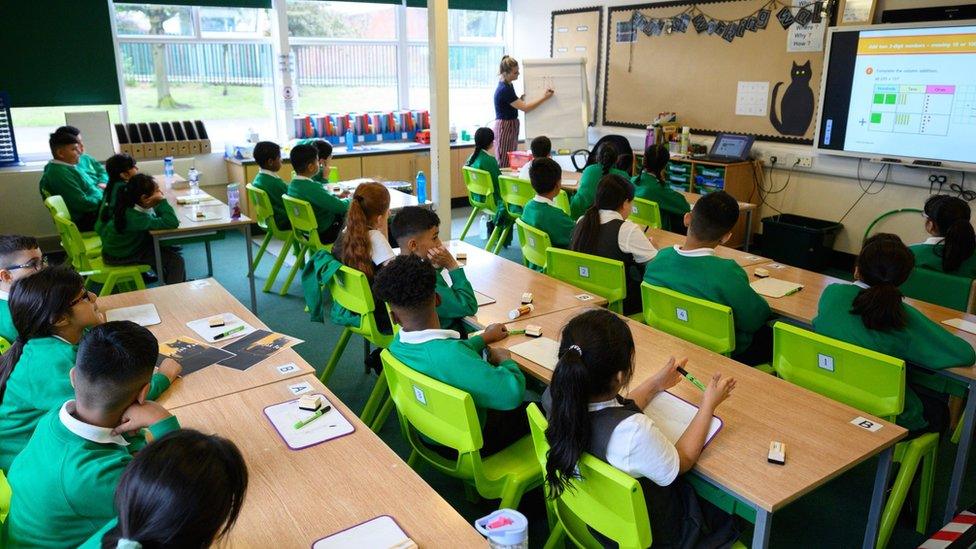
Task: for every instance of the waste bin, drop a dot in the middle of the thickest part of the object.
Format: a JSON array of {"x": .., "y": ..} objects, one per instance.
[{"x": 799, "y": 241}]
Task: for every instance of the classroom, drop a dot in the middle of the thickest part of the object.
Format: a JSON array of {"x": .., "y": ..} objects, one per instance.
[{"x": 503, "y": 273}]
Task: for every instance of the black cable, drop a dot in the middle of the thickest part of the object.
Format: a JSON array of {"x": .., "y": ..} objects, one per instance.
[
  {"x": 962, "y": 193},
  {"x": 865, "y": 191}
]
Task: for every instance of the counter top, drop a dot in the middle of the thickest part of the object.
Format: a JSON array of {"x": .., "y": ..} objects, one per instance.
[{"x": 372, "y": 149}]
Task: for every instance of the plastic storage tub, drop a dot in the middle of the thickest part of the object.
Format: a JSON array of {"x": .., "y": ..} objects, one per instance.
[{"x": 799, "y": 241}]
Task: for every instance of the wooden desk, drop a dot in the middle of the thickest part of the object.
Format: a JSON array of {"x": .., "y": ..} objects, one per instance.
[
  {"x": 802, "y": 307},
  {"x": 297, "y": 497},
  {"x": 189, "y": 227},
  {"x": 506, "y": 281},
  {"x": 180, "y": 303},
  {"x": 398, "y": 198},
  {"x": 666, "y": 239},
  {"x": 817, "y": 431}
]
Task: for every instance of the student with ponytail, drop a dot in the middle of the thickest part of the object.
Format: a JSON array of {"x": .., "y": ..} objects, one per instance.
[
  {"x": 120, "y": 168},
  {"x": 482, "y": 159},
  {"x": 588, "y": 414},
  {"x": 650, "y": 184},
  {"x": 184, "y": 474},
  {"x": 953, "y": 241},
  {"x": 605, "y": 231},
  {"x": 140, "y": 208},
  {"x": 591, "y": 177},
  {"x": 870, "y": 313}
]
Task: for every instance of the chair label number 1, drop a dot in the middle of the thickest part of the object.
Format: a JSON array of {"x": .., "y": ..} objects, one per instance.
[
  {"x": 418, "y": 394},
  {"x": 682, "y": 314},
  {"x": 826, "y": 362}
]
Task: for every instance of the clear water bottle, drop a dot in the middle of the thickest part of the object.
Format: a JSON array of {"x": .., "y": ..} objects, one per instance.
[
  {"x": 421, "y": 187},
  {"x": 505, "y": 529},
  {"x": 193, "y": 176},
  {"x": 234, "y": 200},
  {"x": 168, "y": 170},
  {"x": 350, "y": 140},
  {"x": 483, "y": 226}
]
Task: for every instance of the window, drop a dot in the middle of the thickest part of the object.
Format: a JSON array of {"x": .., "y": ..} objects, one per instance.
[
  {"x": 196, "y": 63},
  {"x": 33, "y": 126}
]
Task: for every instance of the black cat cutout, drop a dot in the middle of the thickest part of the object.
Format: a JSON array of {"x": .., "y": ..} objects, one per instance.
[{"x": 797, "y": 106}]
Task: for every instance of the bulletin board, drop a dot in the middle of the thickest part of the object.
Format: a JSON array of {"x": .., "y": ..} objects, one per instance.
[
  {"x": 714, "y": 64},
  {"x": 576, "y": 33}
]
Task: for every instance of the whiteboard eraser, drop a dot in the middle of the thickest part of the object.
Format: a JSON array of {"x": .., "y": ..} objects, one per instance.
[
  {"x": 533, "y": 330},
  {"x": 216, "y": 321},
  {"x": 527, "y": 297},
  {"x": 761, "y": 273},
  {"x": 461, "y": 256},
  {"x": 310, "y": 402},
  {"x": 777, "y": 453}
]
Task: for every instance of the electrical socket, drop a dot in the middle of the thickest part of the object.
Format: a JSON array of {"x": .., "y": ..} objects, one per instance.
[{"x": 804, "y": 161}]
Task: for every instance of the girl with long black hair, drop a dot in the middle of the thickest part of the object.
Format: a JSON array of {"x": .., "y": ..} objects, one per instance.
[
  {"x": 606, "y": 161},
  {"x": 951, "y": 247}
]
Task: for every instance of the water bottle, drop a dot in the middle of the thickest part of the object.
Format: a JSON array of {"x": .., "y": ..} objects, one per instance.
[
  {"x": 234, "y": 200},
  {"x": 193, "y": 176},
  {"x": 505, "y": 529},
  {"x": 483, "y": 226},
  {"x": 168, "y": 170},
  {"x": 350, "y": 140},
  {"x": 421, "y": 187}
]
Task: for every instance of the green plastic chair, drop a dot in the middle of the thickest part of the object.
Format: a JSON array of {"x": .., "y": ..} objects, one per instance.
[
  {"x": 333, "y": 174},
  {"x": 604, "y": 498},
  {"x": 305, "y": 230},
  {"x": 940, "y": 288},
  {"x": 446, "y": 415},
  {"x": 701, "y": 322},
  {"x": 534, "y": 243},
  {"x": 871, "y": 382},
  {"x": 4, "y": 345},
  {"x": 646, "y": 213},
  {"x": 5, "y": 495},
  {"x": 516, "y": 193},
  {"x": 599, "y": 275},
  {"x": 562, "y": 201},
  {"x": 56, "y": 206},
  {"x": 478, "y": 183},
  {"x": 350, "y": 289},
  {"x": 111, "y": 277},
  {"x": 265, "y": 219}
]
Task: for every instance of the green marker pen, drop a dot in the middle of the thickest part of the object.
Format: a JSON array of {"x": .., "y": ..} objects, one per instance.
[
  {"x": 303, "y": 422},
  {"x": 691, "y": 378},
  {"x": 230, "y": 332}
]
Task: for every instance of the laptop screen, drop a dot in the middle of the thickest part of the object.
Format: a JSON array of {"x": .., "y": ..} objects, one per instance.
[{"x": 731, "y": 146}]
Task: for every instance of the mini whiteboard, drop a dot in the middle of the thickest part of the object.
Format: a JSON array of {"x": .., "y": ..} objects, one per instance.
[
  {"x": 330, "y": 425},
  {"x": 542, "y": 350},
  {"x": 96, "y": 132},
  {"x": 381, "y": 531},
  {"x": 565, "y": 117},
  {"x": 143, "y": 315},
  {"x": 202, "y": 327},
  {"x": 672, "y": 415}
]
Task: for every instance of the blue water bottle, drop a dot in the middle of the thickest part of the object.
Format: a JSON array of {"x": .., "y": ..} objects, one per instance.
[
  {"x": 350, "y": 140},
  {"x": 168, "y": 169},
  {"x": 421, "y": 187}
]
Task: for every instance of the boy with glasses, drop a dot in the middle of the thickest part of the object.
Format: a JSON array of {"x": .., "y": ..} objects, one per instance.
[{"x": 20, "y": 257}]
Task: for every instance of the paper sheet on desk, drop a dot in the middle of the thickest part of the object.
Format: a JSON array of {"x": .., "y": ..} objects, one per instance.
[
  {"x": 202, "y": 327},
  {"x": 774, "y": 287},
  {"x": 330, "y": 425},
  {"x": 672, "y": 415},
  {"x": 543, "y": 351},
  {"x": 143, "y": 315},
  {"x": 961, "y": 324},
  {"x": 381, "y": 531}
]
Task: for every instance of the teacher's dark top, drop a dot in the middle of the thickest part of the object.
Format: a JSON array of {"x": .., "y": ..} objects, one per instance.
[{"x": 504, "y": 97}]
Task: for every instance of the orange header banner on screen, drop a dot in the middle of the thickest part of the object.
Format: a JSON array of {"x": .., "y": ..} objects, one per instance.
[{"x": 903, "y": 45}]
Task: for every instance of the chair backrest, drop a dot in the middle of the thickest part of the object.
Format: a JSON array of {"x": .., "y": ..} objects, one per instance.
[
  {"x": 534, "y": 243},
  {"x": 865, "y": 379},
  {"x": 72, "y": 243},
  {"x": 350, "y": 289},
  {"x": 478, "y": 182},
  {"x": 263, "y": 212},
  {"x": 947, "y": 290},
  {"x": 599, "y": 275},
  {"x": 4, "y": 345},
  {"x": 516, "y": 193},
  {"x": 625, "y": 153},
  {"x": 646, "y": 213},
  {"x": 440, "y": 412},
  {"x": 55, "y": 206},
  {"x": 5, "y": 495},
  {"x": 701, "y": 322},
  {"x": 604, "y": 498},
  {"x": 562, "y": 201},
  {"x": 303, "y": 223}
]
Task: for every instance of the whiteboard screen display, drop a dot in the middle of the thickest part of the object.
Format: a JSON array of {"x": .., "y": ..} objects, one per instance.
[{"x": 564, "y": 118}]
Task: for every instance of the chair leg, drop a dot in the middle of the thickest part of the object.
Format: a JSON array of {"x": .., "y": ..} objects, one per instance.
[
  {"x": 336, "y": 355},
  {"x": 471, "y": 218},
  {"x": 511, "y": 495},
  {"x": 377, "y": 398},
  {"x": 414, "y": 460},
  {"x": 273, "y": 275},
  {"x": 493, "y": 238},
  {"x": 471, "y": 492},
  {"x": 109, "y": 285},
  {"x": 556, "y": 537},
  {"x": 260, "y": 254},
  {"x": 906, "y": 473},
  {"x": 299, "y": 261},
  {"x": 501, "y": 240},
  {"x": 926, "y": 488},
  {"x": 138, "y": 282},
  {"x": 382, "y": 415}
]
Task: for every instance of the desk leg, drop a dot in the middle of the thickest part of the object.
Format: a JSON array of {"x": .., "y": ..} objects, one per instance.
[
  {"x": 250, "y": 268},
  {"x": 878, "y": 497},
  {"x": 764, "y": 524},
  {"x": 962, "y": 455},
  {"x": 748, "y": 229},
  {"x": 159, "y": 262}
]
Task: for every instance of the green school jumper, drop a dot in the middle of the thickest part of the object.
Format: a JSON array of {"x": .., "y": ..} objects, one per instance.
[
  {"x": 921, "y": 342},
  {"x": 670, "y": 201},
  {"x": 38, "y": 384},
  {"x": 487, "y": 162},
  {"x": 95, "y": 542},
  {"x": 543, "y": 214},
  {"x": 457, "y": 300},
  {"x": 586, "y": 191},
  {"x": 64, "y": 481},
  {"x": 927, "y": 258},
  {"x": 93, "y": 169},
  {"x": 441, "y": 355},
  {"x": 275, "y": 187},
  {"x": 135, "y": 238},
  {"x": 701, "y": 274},
  {"x": 108, "y": 204},
  {"x": 326, "y": 206},
  {"x": 7, "y": 330},
  {"x": 80, "y": 195}
]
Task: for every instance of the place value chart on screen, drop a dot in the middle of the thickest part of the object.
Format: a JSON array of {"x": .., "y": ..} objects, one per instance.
[{"x": 904, "y": 93}]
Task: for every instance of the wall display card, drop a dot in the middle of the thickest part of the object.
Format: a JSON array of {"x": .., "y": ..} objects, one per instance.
[
  {"x": 752, "y": 99},
  {"x": 806, "y": 35}
]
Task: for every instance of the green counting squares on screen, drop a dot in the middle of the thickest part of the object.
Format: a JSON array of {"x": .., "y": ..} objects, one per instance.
[{"x": 876, "y": 118}]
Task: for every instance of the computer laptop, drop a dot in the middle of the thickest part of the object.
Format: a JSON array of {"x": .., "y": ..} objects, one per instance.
[{"x": 728, "y": 148}]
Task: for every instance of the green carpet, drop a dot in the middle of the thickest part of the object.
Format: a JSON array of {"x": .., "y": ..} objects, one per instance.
[{"x": 832, "y": 516}]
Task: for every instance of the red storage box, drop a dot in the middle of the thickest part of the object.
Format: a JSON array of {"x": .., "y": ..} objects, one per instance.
[{"x": 517, "y": 159}]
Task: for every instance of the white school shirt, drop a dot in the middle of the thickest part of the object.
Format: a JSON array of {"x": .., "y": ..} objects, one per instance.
[
  {"x": 697, "y": 252},
  {"x": 933, "y": 240},
  {"x": 380, "y": 249},
  {"x": 630, "y": 239},
  {"x": 637, "y": 447},
  {"x": 94, "y": 433},
  {"x": 524, "y": 170},
  {"x": 423, "y": 336}
]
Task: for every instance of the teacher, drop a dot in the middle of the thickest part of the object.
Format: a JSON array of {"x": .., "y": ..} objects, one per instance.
[{"x": 507, "y": 106}]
